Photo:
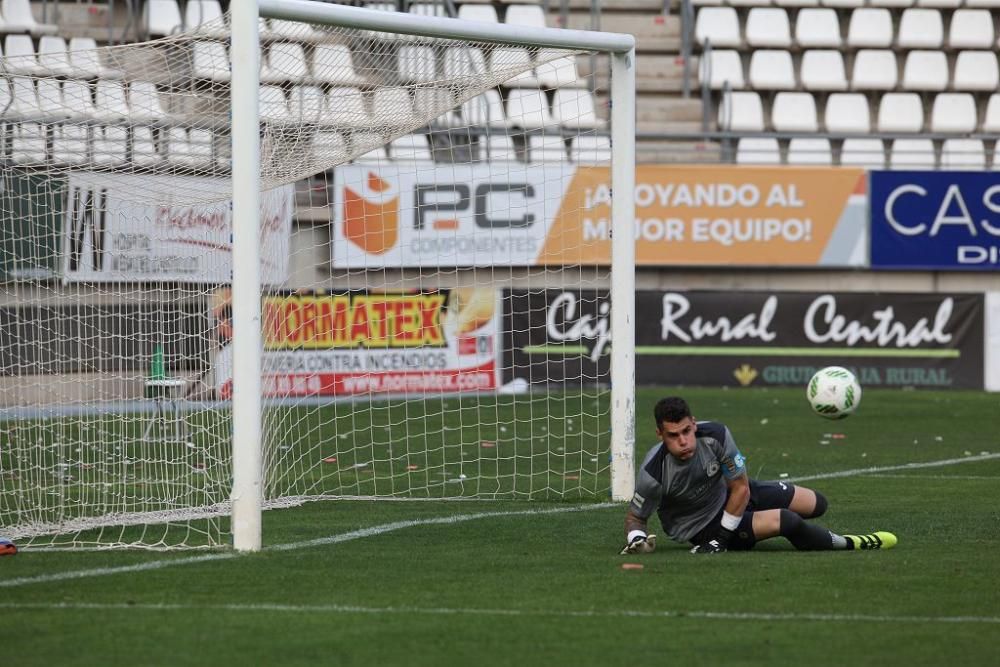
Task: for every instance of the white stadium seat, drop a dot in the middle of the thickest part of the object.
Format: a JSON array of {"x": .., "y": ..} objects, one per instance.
[
  {"x": 809, "y": 150},
  {"x": 307, "y": 104},
  {"x": 794, "y": 112},
  {"x": 982, "y": 3},
  {"x": 21, "y": 56},
  {"x": 842, "y": 4},
  {"x": 976, "y": 70},
  {"x": 211, "y": 61},
  {"x": 392, "y": 106},
  {"x": 273, "y": 104},
  {"x": 326, "y": 145},
  {"x": 531, "y": 16},
  {"x": 954, "y": 112},
  {"x": 334, "y": 64},
  {"x": 416, "y": 64},
  {"x": 912, "y": 154},
  {"x": 145, "y": 151},
  {"x": 78, "y": 100},
  {"x": 968, "y": 154},
  {"x": 432, "y": 103},
  {"x": 848, "y": 113},
  {"x": 797, "y": 3},
  {"x": 823, "y": 69},
  {"x": 144, "y": 100},
  {"x": 768, "y": 27},
  {"x": 499, "y": 147},
  {"x": 528, "y": 109},
  {"x": 868, "y": 153},
  {"x": 741, "y": 112},
  {"x": 110, "y": 99},
  {"x": 900, "y": 112},
  {"x": 25, "y": 98},
  {"x": 17, "y": 17},
  {"x": 722, "y": 67},
  {"x": 198, "y": 13},
  {"x": 546, "y": 148},
  {"x": 475, "y": 12},
  {"x": 991, "y": 119},
  {"x": 891, "y": 3},
  {"x": 84, "y": 59},
  {"x": 369, "y": 147},
  {"x": 410, "y": 148},
  {"x": 874, "y": 69},
  {"x": 53, "y": 55},
  {"x": 754, "y": 150},
  {"x": 286, "y": 61},
  {"x": 971, "y": 29},
  {"x": 920, "y": 28},
  {"x": 50, "y": 98},
  {"x": 870, "y": 27},
  {"x": 160, "y": 17},
  {"x": 70, "y": 144},
  {"x": 925, "y": 70},
  {"x": 719, "y": 26},
  {"x": 28, "y": 143},
  {"x": 574, "y": 109},
  {"x": 558, "y": 72},
  {"x": 464, "y": 61},
  {"x": 590, "y": 149},
  {"x": 485, "y": 109},
  {"x": 771, "y": 70},
  {"x": 109, "y": 145},
  {"x": 515, "y": 58},
  {"x": 941, "y": 4},
  {"x": 817, "y": 29}
]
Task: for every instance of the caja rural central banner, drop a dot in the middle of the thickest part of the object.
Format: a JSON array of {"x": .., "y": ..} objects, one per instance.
[
  {"x": 359, "y": 342},
  {"x": 523, "y": 215},
  {"x": 749, "y": 338}
]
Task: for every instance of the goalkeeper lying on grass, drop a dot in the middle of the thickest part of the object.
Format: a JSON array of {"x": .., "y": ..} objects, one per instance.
[{"x": 696, "y": 481}]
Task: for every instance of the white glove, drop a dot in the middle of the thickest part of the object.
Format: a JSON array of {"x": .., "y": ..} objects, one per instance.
[{"x": 640, "y": 544}]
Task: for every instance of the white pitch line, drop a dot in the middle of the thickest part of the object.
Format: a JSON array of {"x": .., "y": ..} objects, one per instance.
[
  {"x": 399, "y": 525},
  {"x": 957, "y": 477},
  {"x": 449, "y": 611}
]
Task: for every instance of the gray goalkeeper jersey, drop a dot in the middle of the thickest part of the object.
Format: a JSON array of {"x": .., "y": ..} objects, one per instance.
[{"x": 688, "y": 494}]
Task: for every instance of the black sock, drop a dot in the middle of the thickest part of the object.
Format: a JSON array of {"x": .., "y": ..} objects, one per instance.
[
  {"x": 804, "y": 536},
  {"x": 821, "y": 506}
]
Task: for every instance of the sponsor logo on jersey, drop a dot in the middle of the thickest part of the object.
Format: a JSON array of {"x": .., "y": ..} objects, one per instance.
[{"x": 712, "y": 468}]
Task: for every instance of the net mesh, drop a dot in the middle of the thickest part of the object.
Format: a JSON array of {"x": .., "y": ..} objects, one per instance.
[{"x": 434, "y": 325}]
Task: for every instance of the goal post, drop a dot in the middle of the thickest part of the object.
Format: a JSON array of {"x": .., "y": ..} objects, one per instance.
[{"x": 247, "y": 497}]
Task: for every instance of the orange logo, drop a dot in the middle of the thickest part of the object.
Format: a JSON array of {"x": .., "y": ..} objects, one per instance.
[{"x": 373, "y": 226}]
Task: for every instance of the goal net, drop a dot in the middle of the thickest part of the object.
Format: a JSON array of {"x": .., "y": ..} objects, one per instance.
[{"x": 435, "y": 265}]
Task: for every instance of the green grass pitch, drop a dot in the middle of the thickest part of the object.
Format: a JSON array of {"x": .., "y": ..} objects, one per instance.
[{"x": 539, "y": 582}]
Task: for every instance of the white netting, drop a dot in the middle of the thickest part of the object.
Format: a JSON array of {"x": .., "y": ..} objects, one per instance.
[{"x": 418, "y": 230}]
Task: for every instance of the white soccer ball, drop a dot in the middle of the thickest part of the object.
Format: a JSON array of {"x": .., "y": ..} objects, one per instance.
[{"x": 834, "y": 392}]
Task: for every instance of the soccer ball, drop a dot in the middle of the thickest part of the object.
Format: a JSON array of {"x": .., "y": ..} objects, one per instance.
[{"x": 834, "y": 392}]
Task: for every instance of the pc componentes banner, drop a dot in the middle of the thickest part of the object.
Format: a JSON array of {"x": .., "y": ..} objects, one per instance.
[{"x": 513, "y": 214}]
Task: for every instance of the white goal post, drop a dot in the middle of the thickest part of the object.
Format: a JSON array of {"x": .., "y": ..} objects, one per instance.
[{"x": 248, "y": 494}]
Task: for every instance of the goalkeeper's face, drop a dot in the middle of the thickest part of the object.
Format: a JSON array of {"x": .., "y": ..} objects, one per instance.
[{"x": 678, "y": 437}]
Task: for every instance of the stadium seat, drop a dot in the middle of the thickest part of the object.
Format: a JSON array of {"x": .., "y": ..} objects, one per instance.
[
  {"x": 369, "y": 147},
  {"x": 210, "y": 61},
  {"x": 392, "y": 106},
  {"x": 50, "y": 98},
  {"x": 823, "y": 69},
  {"x": 289, "y": 30},
  {"x": 416, "y": 64},
  {"x": 17, "y": 17},
  {"x": 842, "y": 4},
  {"x": 847, "y": 113},
  {"x": 475, "y": 12},
  {"x": 307, "y": 104},
  {"x": 144, "y": 100},
  {"x": 328, "y": 147},
  {"x": 971, "y": 29},
  {"x": 954, "y": 112},
  {"x": 145, "y": 151},
  {"x": 768, "y": 27},
  {"x": 753, "y": 150},
  {"x": 870, "y": 27},
  {"x": 590, "y": 149},
  {"x": 794, "y": 112},
  {"x": 273, "y": 104},
  {"x": 530, "y": 16},
  {"x": 809, "y": 150},
  {"x": 84, "y": 59},
  {"x": 940, "y": 4},
  {"x": 891, "y": 3},
  {"x": 976, "y": 70},
  {"x": 433, "y": 103},
  {"x": 199, "y": 13},
  {"x": 410, "y": 148},
  {"x": 515, "y": 58},
  {"x": 739, "y": 3},
  {"x": 719, "y": 26},
  {"x": 741, "y": 112},
  {"x": 960, "y": 154},
  {"x": 991, "y": 118},
  {"x": 78, "y": 100},
  {"x": 25, "y": 98},
  {"x": 464, "y": 61},
  {"x": 868, "y": 153},
  {"x": 574, "y": 109},
  {"x": 912, "y": 154},
  {"x": 558, "y": 72},
  {"x": 925, "y": 70},
  {"x": 721, "y": 67},
  {"x": 874, "y": 70},
  {"x": 499, "y": 147},
  {"x": 286, "y": 61},
  {"x": 771, "y": 70},
  {"x": 109, "y": 146},
  {"x": 160, "y": 17},
  {"x": 70, "y": 145},
  {"x": 485, "y": 109},
  {"x": 797, "y": 3},
  {"x": 818, "y": 29},
  {"x": 334, "y": 64},
  {"x": 189, "y": 148},
  {"x": 528, "y": 109},
  {"x": 982, "y": 3},
  {"x": 436, "y": 9},
  {"x": 28, "y": 143},
  {"x": 920, "y": 28},
  {"x": 53, "y": 56},
  {"x": 20, "y": 56},
  {"x": 546, "y": 148},
  {"x": 900, "y": 112}
]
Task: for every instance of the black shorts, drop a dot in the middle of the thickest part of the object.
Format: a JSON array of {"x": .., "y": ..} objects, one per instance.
[{"x": 763, "y": 496}]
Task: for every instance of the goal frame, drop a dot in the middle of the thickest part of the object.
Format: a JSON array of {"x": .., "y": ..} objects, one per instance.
[{"x": 247, "y": 402}]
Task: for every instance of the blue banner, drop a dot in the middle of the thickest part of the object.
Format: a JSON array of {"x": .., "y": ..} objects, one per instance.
[{"x": 935, "y": 220}]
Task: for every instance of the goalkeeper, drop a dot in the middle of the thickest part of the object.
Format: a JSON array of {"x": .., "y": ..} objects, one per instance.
[{"x": 696, "y": 481}]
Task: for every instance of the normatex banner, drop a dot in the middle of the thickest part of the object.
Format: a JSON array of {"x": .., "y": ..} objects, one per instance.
[
  {"x": 935, "y": 220},
  {"x": 360, "y": 342},
  {"x": 141, "y": 229},
  {"x": 749, "y": 338},
  {"x": 523, "y": 215}
]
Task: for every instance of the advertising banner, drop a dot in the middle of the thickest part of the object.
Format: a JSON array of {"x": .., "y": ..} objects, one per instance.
[
  {"x": 114, "y": 231},
  {"x": 935, "y": 220},
  {"x": 751, "y": 338},
  {"x": 357, "y": 342},
  {"x": 526, "y": 215},
  {"x": 30, "y": 225}
]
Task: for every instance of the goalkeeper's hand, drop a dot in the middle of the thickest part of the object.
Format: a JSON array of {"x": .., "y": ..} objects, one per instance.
[{"x": 640, "y": 544}]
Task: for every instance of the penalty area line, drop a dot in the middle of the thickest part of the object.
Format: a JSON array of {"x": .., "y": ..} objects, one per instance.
[{"x": 559, "y": 613}]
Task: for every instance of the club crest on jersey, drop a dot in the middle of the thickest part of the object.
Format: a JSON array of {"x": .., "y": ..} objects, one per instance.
[{"x": 712, "y": 468}]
